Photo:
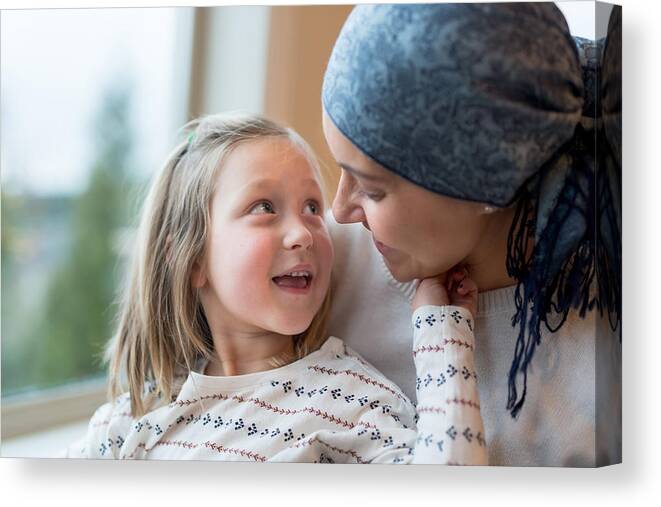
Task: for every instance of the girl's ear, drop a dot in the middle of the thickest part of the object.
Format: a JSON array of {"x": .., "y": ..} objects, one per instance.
[{"x": 198, "y": 277}]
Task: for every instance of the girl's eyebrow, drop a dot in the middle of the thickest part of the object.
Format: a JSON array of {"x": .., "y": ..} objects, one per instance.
[
  {"x": 258, "y": 185},
  {"x": 266, "y": 184},
  {"x": 360, "y": 174}
]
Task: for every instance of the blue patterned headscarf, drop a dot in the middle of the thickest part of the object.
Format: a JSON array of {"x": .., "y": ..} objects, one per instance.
[{"x": 486, "y": 103}]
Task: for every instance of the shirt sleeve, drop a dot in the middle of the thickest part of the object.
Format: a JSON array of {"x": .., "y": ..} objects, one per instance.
[
  {"x": 106, "y": 432},
  {"x": 449, "y": 426}
]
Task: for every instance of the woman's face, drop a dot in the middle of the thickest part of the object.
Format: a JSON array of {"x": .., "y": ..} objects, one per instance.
[{"x": 419, "y": 233}]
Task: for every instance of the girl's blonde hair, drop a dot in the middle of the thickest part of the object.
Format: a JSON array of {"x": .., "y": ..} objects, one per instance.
[{"x": 162, "y": 330}]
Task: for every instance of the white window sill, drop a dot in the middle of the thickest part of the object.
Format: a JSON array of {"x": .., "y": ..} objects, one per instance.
[
  {"x": 45, "y": 410},
  {"x": 44, "y": 444}
]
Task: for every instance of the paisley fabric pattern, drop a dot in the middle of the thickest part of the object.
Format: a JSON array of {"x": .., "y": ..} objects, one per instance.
[
  {"x": 466, "y": 100},
  {"x": 494, "y": 103}
]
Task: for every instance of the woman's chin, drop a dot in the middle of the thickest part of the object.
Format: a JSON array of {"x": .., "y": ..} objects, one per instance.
[
  {"x": 407, "y": 272},
  {"x": 402, "y": 274}
]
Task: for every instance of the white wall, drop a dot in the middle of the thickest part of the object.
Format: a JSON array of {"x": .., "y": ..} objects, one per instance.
[
  {"x": 236, "y": 60},
  {"x": 580, "y": 16}
]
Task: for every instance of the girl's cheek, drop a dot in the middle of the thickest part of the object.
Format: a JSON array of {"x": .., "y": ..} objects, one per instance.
[
  {"x": 325, "y": 246},
  {"x": 250, "y": 260},
  {"x": 331, "y": 253},
  {"x": 325, "y": 256}
]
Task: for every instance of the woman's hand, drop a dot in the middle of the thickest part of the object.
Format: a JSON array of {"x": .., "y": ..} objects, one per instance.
[{"x": 451, "y": 288}]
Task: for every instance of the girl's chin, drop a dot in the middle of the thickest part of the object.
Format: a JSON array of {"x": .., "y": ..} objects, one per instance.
[{"x": 294, "y": 328}]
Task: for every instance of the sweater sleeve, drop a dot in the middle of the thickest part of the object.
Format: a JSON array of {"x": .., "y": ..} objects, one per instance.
[{"x": 449, "y": 427}]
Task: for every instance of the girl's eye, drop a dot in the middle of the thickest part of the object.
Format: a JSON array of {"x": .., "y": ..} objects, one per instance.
[
  {"x": 312, "y": 207},
  {"x": 261, "y": 208}
]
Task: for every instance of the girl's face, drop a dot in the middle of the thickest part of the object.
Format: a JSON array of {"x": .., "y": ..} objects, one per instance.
[
  {"x": 268, "y": 256},
  {"x": 419, "y": 233}
]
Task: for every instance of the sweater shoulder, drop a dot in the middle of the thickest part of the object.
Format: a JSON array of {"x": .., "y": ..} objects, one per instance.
[
  {"x": 108, "y": 428},
  {"x": 348, "y": 367}
]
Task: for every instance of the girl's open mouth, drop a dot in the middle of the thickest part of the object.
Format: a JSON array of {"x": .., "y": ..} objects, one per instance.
[{"x": 297, "y": 282}]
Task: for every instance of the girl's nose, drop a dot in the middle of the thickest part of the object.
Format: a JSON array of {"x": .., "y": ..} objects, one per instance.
[
  {"x": 297, "y": 236},
  {"x": 345, "y": 210}
]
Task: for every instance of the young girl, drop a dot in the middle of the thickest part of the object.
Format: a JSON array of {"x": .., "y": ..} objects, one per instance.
[{"x": 221, "y": 332}]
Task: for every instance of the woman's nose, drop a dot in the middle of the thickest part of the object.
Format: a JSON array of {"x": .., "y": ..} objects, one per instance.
[
  {"x": 297, "y": 236},
  {"x": 345, "y": 210}
]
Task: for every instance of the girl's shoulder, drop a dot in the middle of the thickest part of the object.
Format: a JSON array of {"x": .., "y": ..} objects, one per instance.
[
  {"x": 109, "y": 419},
  {"x": 107, "y": 428},
  {"x": 349, "y": 369},
  {"x": 113, "y": 421},
  {"x": 111, "y": 409}
]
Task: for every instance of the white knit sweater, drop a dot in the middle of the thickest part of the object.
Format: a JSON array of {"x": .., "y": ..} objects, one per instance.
[
  {"x": 572, "y": 414},
  {"x": 330, "y": 406}
]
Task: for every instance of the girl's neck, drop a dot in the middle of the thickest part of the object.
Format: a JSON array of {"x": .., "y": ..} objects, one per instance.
[
  {"x": 487, "y": 262},
  {"x": 240, "y": 354}
]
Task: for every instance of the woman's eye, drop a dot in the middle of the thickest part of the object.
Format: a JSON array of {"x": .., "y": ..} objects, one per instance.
[
  {"x": 261, "y": 208},
  {"x": 312, "y": 207},
  {"x": 374, "y": 196}
]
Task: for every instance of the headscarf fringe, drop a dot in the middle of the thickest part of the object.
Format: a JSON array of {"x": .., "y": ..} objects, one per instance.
[
  {"x": 542, "y": 294},
  {"x": 609, "y": 245}
]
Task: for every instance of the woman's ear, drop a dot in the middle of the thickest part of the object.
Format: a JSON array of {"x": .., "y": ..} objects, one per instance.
[{"x": 198, "y": 275}]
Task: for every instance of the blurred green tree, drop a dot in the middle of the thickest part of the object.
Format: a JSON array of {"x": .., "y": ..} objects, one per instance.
[
  {"x": 11, "y": 210},
  {"x": 79, "y": 315}
]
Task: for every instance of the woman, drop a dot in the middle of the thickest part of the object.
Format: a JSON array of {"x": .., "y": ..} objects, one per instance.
[{"x": 465, "y": 138}]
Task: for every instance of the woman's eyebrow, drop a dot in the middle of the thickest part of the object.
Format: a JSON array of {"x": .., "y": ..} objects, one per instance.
[{"x": 361, "y": 174}]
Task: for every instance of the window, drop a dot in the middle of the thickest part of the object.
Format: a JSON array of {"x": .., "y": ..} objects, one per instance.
[{"x": 91, "y": 103}]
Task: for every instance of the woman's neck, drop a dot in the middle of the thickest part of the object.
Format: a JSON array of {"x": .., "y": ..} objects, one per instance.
[
  {"x": 243, "y": 353},
  {"x": 487, "y": 262}
]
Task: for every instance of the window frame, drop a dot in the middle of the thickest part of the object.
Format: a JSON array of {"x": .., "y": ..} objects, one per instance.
[{"x": 30, "y": 412}]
